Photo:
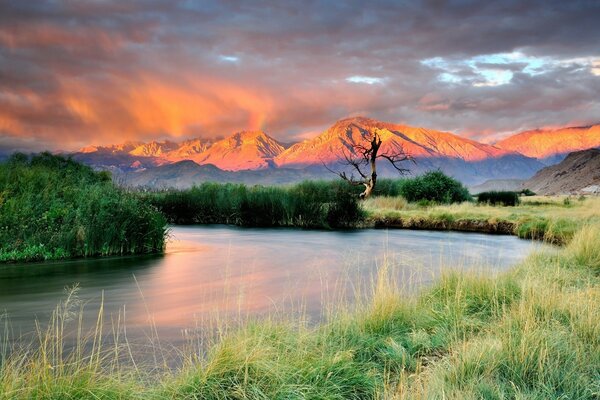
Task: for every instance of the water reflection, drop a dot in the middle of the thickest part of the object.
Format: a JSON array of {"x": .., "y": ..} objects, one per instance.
[{"x": 234, "y": 271}]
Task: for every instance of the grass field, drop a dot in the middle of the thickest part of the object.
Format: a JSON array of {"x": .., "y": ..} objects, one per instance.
[
  {"x": 552, "y": 219},
  {"x": 531, "y": 333}
]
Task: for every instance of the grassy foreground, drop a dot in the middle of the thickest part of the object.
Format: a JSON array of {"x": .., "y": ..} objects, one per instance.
[{"x": 532, "y": 333}]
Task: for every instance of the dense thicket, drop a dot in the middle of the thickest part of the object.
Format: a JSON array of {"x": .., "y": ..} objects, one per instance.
[
  {"x": 311, "y": 204},
  {"x": 52, "y": 207},
  {"x": 504, "y": 198}
]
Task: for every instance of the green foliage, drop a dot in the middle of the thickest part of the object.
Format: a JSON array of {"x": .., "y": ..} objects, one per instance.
[
  {"x": 344, "y": 210},
  {"x": 504, "y": 198},
  {"x": 52, "y": 207},
  {"x": 310, "y": 204},
  {"x": 527, "y": 192},
  {"x": 434, "y": 186}
]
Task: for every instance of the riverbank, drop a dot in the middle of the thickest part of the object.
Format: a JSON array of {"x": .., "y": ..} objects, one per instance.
[
  {"x": 531, "y": 333},
  {"x": 551, "y": 219}
]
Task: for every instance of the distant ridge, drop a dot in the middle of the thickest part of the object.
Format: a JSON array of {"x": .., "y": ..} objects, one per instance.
[
  {"x": 552, "y": 145},
  {"x": 579, "y": 172}
]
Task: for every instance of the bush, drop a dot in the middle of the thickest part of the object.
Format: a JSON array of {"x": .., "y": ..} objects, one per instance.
[
  {"x": 344, "y": 211},
  {"x": 504, "y": 198},
  {"x": 527, "y": 192},
  {"x": 434, "y": 186},
  {"x": 52, "y": 207}
]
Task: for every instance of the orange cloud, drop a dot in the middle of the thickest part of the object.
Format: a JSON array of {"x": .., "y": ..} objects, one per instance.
[{"x": 152, "y": 105}]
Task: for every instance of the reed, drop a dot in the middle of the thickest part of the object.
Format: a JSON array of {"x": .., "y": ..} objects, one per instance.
[{"x": 52, "y": 207}]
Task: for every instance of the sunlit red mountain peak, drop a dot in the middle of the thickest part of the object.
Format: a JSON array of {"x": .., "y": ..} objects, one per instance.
[
  {"x": 414, "y": 141},
  {"x": 241, "y": 151},
  {"x": 463, "y": 158},
  {"x": 154, "y": 149},
  {"x": 547, "y": 143},
  {"x": 125, "y": 147},
  {"x": 189, "y": 149}
]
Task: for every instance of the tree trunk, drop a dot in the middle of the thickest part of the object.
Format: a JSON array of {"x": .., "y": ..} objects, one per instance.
[{"x": 370, "y": 185}]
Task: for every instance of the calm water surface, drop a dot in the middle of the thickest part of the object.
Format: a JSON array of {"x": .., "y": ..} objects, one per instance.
[{"x": 228, "y": 272}]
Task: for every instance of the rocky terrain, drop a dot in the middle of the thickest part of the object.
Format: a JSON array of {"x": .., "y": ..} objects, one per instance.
[{"x": 578, "y": 173}]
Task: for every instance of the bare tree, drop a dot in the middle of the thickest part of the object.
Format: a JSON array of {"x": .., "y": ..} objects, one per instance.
[{"x": 362, "y": 158}]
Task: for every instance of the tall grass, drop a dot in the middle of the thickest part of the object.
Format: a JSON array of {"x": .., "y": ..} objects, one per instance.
[
  {"x": 311, "y": 204},
  {"x": 52, "y": 207},
  {"x": 531, "y": 333}
]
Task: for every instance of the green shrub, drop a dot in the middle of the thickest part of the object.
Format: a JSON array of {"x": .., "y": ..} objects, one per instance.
[
  {"x": 388, "y": 187},
  {"x": 527, "y": 192},
  {"x": 344, "y": 211},
  {"x": 52, "y": 207},
  {"x": 504, "y": 198},
  {"x": 434, "y": 186}
]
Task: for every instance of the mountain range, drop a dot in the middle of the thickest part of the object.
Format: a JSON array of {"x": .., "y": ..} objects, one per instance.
[
  {"x": 255, "y": 157},
  {"x": 552, "y": 145}
]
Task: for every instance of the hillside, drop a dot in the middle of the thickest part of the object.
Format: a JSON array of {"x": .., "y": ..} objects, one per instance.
[
  {"x": 552, "y": 145},
  {"x": 497, "y": 184},
  {"x": 467, "y": 160},
  {"x": 242, "y": 151},
  {"x": 579, "y": 172},
  {"x": 185, "y": 174},
  {"x": 464, "y": 159}
]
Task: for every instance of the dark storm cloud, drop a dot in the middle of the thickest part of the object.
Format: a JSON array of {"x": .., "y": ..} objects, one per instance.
[{"x": 76, "y": 72}]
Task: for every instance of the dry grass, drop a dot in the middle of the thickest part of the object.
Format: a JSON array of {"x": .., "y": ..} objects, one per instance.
[{"x": 548, "y": 218}]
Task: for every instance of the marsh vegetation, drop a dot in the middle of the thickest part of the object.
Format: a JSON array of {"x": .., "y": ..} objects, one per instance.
[{"x": 52, "y": 208}]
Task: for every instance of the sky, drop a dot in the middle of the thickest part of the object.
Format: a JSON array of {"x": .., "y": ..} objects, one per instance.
[{"x": 75, "y": 73}]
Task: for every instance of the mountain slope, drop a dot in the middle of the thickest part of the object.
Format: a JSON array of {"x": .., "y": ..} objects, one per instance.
[
  {"x": 154, "y": 149},
  {"x": 497, "y": 184},
  {"x": 241, "y": 151},
  {"x": 467, "y": 160},
  {"x": 552, "y": 145},
  {"x": 185, "y": 174},
  {"x": 188, "y": 149},
  {"x": 578, "y": 172},
  {"x": 418, "y": 142}
]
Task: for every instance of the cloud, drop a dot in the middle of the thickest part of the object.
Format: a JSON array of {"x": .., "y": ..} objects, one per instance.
[
  {"x": 75, "y": 73},
  {"x": 369, "y": 80}
]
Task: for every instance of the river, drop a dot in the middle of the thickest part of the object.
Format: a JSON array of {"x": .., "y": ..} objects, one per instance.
[{"x": 227, "y": 273}]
